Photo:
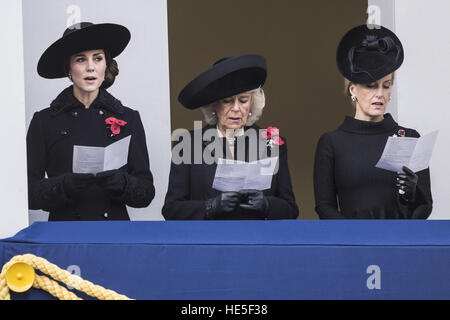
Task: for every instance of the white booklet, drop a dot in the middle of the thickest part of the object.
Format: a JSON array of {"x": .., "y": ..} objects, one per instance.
[
  {"x": 415, "y": 153},
  {"x": 98, "y": 159},
  {"x": 234, "y": 175}
]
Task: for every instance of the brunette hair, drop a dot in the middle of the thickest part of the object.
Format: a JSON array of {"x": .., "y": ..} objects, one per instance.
[{"x": 111, "y": 72}]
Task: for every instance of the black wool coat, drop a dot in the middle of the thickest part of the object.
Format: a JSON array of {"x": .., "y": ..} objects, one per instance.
[
  {"x": 50, "y": 139},
  {"x": 190, "y": 184},
  {"x": 347, "y": 183}
]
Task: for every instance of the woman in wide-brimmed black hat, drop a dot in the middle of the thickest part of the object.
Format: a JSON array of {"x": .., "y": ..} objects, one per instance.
[
  {"x": 232, "y": 100},
  {"x": 346, "y": 182},
  {"x": 85, "y": 114}
]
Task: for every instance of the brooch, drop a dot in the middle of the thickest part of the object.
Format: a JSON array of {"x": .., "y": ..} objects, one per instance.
[
  {"x": 272, "y": 134},
  {"x": 115, "y": 124},
  {"x": 400, "y": 133}
]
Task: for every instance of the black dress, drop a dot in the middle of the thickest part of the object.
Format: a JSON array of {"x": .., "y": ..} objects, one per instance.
[
  {"x": 50, "y": 139},
  {"x": 345, "y": 169},
  {"x": 190, "y": 185}
]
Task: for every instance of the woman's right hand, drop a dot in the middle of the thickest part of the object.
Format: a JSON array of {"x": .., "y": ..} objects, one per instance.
[{"x": 226, "y": 202}]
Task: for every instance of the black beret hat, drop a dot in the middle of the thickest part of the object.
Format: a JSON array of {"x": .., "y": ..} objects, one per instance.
[
  {"x": 110, "y": 37},
  {"x": 227, "y": 77},
  {"x": 367, "y": 53}
]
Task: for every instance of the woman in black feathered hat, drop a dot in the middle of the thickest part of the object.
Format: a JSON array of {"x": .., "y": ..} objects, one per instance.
[
  {"x": 85, "y": 114},
  {"x": 232, "y": 100},
  {"x": 346, "y": 182}
]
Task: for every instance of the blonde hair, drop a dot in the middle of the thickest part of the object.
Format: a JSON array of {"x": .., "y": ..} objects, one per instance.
[
  {"x": 256, "y": 108},
  {"x": 348, "y": 83}
]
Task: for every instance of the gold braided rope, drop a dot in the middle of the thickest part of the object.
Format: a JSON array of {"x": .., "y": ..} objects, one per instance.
[{"x": 53, "y": 287}]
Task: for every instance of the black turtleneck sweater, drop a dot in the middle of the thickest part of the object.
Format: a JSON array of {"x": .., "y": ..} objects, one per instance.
[{"x": 347, "y": 184}]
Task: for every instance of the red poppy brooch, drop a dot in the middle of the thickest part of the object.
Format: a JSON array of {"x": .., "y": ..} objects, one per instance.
[
  {"x": 115, "y": 124},
  {"x": 400, "y": 133},
  {"x": 272, "y": 134}
]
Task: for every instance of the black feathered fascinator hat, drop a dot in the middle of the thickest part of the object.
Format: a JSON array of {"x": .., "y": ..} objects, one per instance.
[{"x": 367, "y": 53}]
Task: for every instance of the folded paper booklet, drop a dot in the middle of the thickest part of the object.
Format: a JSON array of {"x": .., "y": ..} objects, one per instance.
[
  {"x": 98, "y": 159},
  {"x": 415, "y": 153},
  {"x": 234, "y": 175}
]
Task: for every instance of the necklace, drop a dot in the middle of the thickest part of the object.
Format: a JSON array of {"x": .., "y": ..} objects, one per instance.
[{"x": 230, "y": 141}]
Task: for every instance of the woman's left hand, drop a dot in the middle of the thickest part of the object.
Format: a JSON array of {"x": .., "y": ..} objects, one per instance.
[
  {"x": 253, "y": 200},
  {"x": 112, "y": 181},
  {"x": 407, "y": 182}
]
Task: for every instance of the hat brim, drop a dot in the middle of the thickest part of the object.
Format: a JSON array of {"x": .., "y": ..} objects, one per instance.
[
  {"x": 227, "y": 78},
  {"x": 112, "y": 38},
  {"x": 376, "y": 65}
]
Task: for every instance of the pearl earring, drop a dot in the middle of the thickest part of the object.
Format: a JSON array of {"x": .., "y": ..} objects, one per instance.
[
  {"x": 250, "y": 114},
  {"x": 70, "y": 76},
  {"x": 353, "y": 98}
]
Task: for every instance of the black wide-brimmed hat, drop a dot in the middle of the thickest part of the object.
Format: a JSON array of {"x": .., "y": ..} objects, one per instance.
[
  {"x": 227, "y": 77},
  {"x": 366, "y": 55},
  {"x": 110, "y": 37}
]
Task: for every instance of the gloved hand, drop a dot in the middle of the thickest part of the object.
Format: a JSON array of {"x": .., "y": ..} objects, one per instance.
[
  {"x": 112, "y": 181},
  {"x": 74, "y": 183},
  {"x": 407, "y": 184},
  {"x": 254, "y": 200},
  {"x": 226, "y": 202}
]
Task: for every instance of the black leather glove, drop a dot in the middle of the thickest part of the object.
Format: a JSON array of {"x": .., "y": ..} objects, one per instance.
[
  {"x": 407, "y": 184},
  {"x": 226, "y": 202},
  {"x": 112, "y": 181},
  {"x": 74, "y": 183},
  {"x": 254, "y": 200}
]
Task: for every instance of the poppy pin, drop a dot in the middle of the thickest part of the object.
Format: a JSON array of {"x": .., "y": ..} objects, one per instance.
[
  {"x": 272, "y": 134},
  {"x": 115, "y": 124}
]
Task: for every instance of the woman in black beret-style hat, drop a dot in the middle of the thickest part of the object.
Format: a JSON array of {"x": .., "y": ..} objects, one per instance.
[
  {"x": 231, "y": 98},
  {"x": 85, "y": 114},
  {"x": 347, "y": 185}
]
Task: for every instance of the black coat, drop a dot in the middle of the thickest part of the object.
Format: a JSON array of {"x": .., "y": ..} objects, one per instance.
[
  {"x": 345, "y": 170},
  {"x": 190, "y": 185},
  {"x": 50, "y": 139}
]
